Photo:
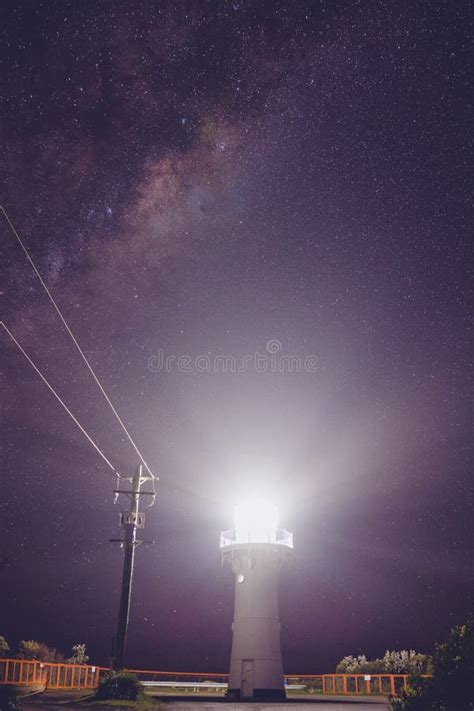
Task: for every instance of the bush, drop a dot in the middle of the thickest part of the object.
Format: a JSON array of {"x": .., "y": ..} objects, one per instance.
[
  {"x": 451, "y": 688},
  {"x": 119, "y": 685},
  {"x": 31, "y": 649},
  {"x": 404, "y": 662},
  {"x": 418, "y": 696},
  {"x": 4, "y": 647},
  {"x": 352, "y": 665},
  {"x": 79, "y": 654},
  {"x": 8, "y": 699}
]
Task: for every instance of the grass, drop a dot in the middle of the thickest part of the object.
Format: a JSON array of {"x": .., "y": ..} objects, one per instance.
[
  {"x": 143, "y": 703},
  {"x": 183, "y": 691}
]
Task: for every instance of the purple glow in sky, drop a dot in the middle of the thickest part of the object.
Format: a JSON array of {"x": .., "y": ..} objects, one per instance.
[{"x": 210, "y": 179}]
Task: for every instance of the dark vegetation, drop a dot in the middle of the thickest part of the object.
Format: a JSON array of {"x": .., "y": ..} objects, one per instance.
[
  {"x": 404, "y": 662},
  {"x": 452, "y": 686},
  {"x": 32, "y": 649},
  {"x": 8, "y": 699},
  {"x": 119, "y": 685}
]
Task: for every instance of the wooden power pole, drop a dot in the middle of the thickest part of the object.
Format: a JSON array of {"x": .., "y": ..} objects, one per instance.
[{"x": 130, "y": 521}]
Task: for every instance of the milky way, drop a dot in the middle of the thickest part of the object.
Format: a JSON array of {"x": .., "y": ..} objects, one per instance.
[{"x": 206, "y": 179}]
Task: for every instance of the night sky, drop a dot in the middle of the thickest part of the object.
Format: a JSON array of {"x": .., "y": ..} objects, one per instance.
[{"x": 231, "y": 178}]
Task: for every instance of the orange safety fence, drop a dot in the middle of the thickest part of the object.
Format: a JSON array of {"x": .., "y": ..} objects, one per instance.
[
  {"x": 26, "y": 672},
  {"x": 381, "y": 684},
  {"x": 51, "y": 675}
]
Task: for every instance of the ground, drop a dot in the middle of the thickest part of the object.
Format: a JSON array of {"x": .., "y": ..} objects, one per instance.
[
  {"x": 72, "y": 702},
  {"x": 336, "y": 704}
]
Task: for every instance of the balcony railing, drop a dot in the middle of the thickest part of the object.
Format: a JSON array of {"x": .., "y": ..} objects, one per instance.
[{"x": 279, "y": 537}]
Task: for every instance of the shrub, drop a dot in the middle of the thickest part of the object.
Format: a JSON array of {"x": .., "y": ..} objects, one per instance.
[
  {"x": 4, "y": 647},
  {"x": 418, "y": 696},
  {"x": 31, "y": 649},
  {"x": 450, "y": 689},
  {"x": 79, "y": 654},
  {"x": 119, "y": 685},
  {"x": 8, "y": 699},
  {"x": 352, "y": 665},
  {"x": 404, "y": 662}
]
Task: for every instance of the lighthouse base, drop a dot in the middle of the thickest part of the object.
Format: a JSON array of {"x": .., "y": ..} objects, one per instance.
[{"x": 257, "y": 695}]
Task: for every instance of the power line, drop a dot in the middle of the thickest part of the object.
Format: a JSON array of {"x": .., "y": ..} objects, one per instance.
[
  {"x": 81, "y": 352},
  {"x": 96, "y": 447}
]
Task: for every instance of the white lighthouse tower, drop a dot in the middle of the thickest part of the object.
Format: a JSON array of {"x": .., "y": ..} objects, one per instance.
[{"x": 256, "y": 548}]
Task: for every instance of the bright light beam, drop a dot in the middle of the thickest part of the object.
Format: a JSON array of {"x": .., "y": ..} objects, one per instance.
[{"x": 256, "y": 521}]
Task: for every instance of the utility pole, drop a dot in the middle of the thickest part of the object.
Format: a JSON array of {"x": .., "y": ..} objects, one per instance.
[{"x": 130, "y": 521}]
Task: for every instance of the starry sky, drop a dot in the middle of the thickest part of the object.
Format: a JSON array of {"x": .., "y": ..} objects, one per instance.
[{"x": 214, "y": 177}]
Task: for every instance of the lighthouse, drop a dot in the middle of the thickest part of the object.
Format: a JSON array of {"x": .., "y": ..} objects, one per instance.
[{"x": 256, "y": 548}]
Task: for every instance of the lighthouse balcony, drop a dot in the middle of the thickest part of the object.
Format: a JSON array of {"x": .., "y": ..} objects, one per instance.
[{"x": 278, "y": 537}]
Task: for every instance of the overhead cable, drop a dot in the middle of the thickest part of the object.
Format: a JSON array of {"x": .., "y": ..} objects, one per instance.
[
  {"x": 81, "y": 352},
  {"x": 60, "y": 400}
]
